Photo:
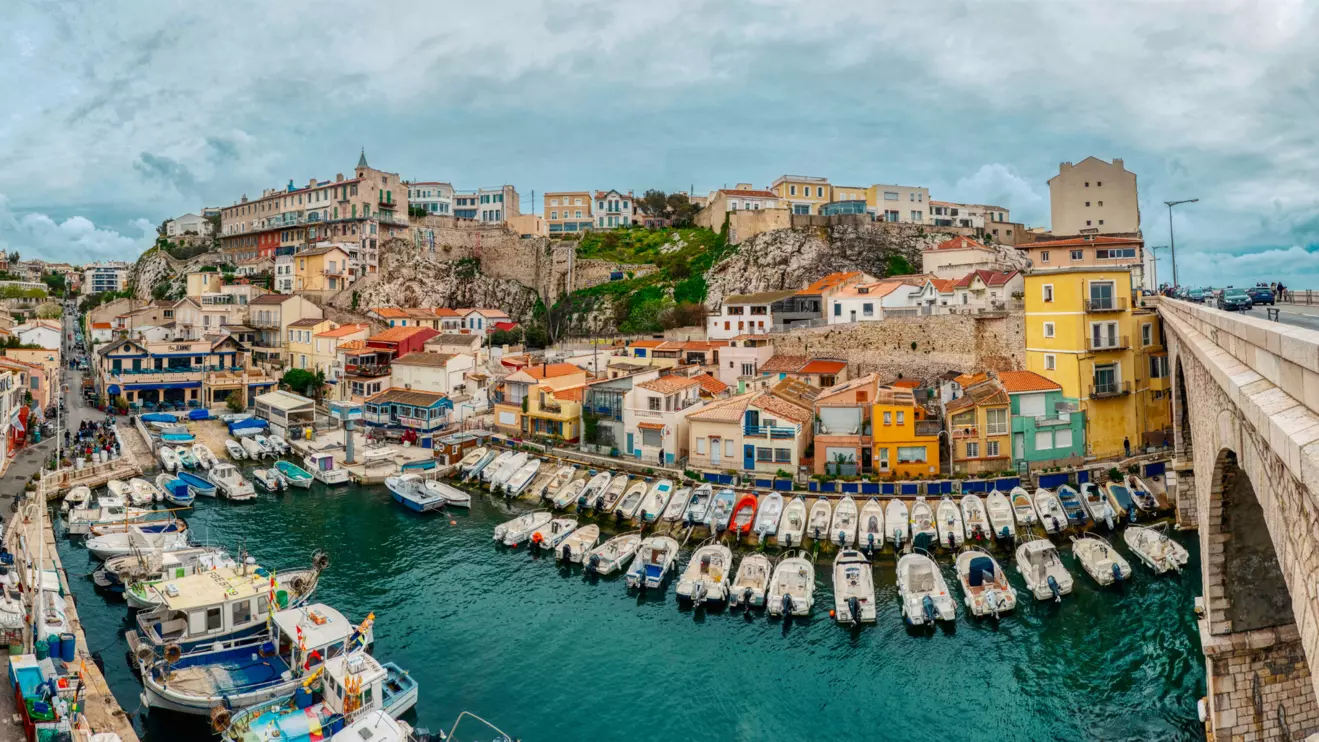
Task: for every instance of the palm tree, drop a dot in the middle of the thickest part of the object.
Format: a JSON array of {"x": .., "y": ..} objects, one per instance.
[{"x": 317, "y": 385}]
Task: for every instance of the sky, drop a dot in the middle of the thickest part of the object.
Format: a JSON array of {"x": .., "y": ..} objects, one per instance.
[{"x": 119, "y": 119}]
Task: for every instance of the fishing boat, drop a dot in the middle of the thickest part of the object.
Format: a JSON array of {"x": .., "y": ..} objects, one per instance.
[
  {"x": 226, "y": 677},
  {"x": 1153, "y": 547},
  {"x": 295, "y": 475},
  {"x": 1000, "y": 515},
  {"x": 169, "y": 461},
  {"x": 322, "y": 468},
  {"x": 656, "y": 500},
  {"x": 1097, "y": 505},
  {"x": 108, "y": 509},
  {"x": 453, "y": 497},
  {"x": 1100, "y": 560},
  {"x": 186, "y": 459},
  {"x": 176, "y": 491},
  {"x": 486, "y": 469},
  {"x": 854, "y": 589},
  {"x": 235, "y": 449},
  {"x": 1141, "y": 494},
  {"x": 267, "y": 449},
  {"x": 985, "y": 585},
  {"x": 230, "y": 482},
  {"x": 630, "y": 504},
  {"x": 705, "y": 580},
  {"x": 923, "y": 591},
  {"x": 924, "y": 534},
  {"x": 1119, "y": 497},
  {"x": 951, "y": 532},
  {"x": 677, "y": 505},
  {"x": 897, "y": 523},
  {"x": 147, "y": 573},
  {"x": 721, "y": 510},
  {"x": 177, "y": 438},
  {"x": 547, "y": 488},
  {"x": 751, "y": 583},
  {"x": 609, "y": 557},
  {"x": 254, "y": 450},
  {"x": 654, "y": 561},
  {"x": 593, "y": 490},
  {"x": 870, "y": 527},
  {"x": 144, "y": 492},
  {"x": 1022, "y": 507},
  {"x": 578, "y": 543},
  {"x": 610, "y": 497},
  {"x": 1039, "y": 564},
  {"x": 698, "y": 508},
  {"x": 744, "y": 514},
  {"x": 792, "y": 525},
  {"x": 120, "y": 489},
  {"x": 78, "y": 497},
  {"x": 843, "y": 529},
  {"x": 819, "y": 519},
  {"x": 1052, "y": 515},
  {"x": 499, "y": 477},
  {"x": 154, "y": 521},
  {"x": 974, "y": 518},
  {"x": 792, "y": 588},
  {"x": 514, "y": 532},
  {"x": 522, "y": 477},
  {"x": 1072, "y": 506},
  {"x": 409, "y": 490},
  {"x": 471, "y": 459},
  {"x": 135, "y": 538},
  {"x": 553, "y": 533},
  {"x": 767, "y": 516},
  {"x": 277, "y": 444},
  {"x": 205, "y": 459},
  {"x": 268, "y": 479}
]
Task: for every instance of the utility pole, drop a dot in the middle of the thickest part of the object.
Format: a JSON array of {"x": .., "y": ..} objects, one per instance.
[
  {"x": 1172, "y": 242},
  {"x": 1154, "y": 249}
]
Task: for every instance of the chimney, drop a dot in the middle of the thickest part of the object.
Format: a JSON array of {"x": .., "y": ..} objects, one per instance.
[
  {"x": 1117, "y": 162},
  {"x": 338, "y": 177},
  {"x": 311, "y": 183}
]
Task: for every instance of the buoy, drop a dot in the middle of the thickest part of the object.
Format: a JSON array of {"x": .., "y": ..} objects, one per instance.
[
  {"x": 453, "y": 522},
  {"x": 831, "y": 613}
]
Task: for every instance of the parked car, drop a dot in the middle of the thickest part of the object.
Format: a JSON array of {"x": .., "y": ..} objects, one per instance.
[
  {"x": 1235, "y": 300},
  {"x": 1195, "y": 295},
  {"x": 1261, "y": 295}
]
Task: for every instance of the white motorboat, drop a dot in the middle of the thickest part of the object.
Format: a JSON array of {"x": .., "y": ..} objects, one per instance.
[
  {"x": 1050, "y": 510},
  {"x": 205, "y": 459},
  {"x": 698, "y": 506},
  {"x": 974, "y": 518},
  {"x": 175, "y": 491},
  {"x": 1153, "y": 547},
  {"x": 705, "y": 580},
  {"x": 186, "y": 459},
  {"x": 1001, "y": 518},
  {"x": 270, "y": 480},
  {"x": 1022, "y": 507},
  {"x": 923, "y": 591},
  {"x": 1141, "y": 494},
  {"x": 677, "y": 505},
  {"x": 502, "y": 472},
  {"x": 924, "y": 534},
  {"x": 520, "y": 528},
  {"x": 522, "y": 477},
  {"x": 721, "y": 510},
  {"x": 655, "y": 560},
  {"x": 630, "y": 504},
  {"x": 144, "y": 492},
  {"x": 897, "y": 523},
  {"x": 767, "y": 516},
  {"x": 278, "y": 444},
  {"x": 553, "y": 533},
  {"x": 1039, "y": 564},
  {"x": 322, "y": 468},
  {"x": 870, "y": 527},
  {"x": 792, "y": 524},
  {"x": 235, "y": 449},
  {"x": 1097, "y": 505},
  {"x": 578, "y": 543},
  {"x": 135, "y": 539},
  {"x": 1100, "y": 560},
  {"x": 656, "y": 500},
  {"x": 751, "y": 583},
  {"x": 453, "y": 497},
  {"x": 819, "y": 519},
  {"x": 610, "y": 556},
  {"x": 854, "y": 589},
  {"x": 126, "y": 492},
  {"x": 230, "y": 482},
  {"x": 267, "y": 448},
  {"x": 792, "y": 588},
  {"x": 490, "y": 463},
  {"x": 612, "y": 494},
  {"x": 951, "y": 533},
  {"x": 78, "y": 497},
  {"x": 471, "y": 459},
  {"x": 169, "y": 460},
  {"x": 547, "y": 488},
  {"x": 568, "y": 493},
  {"x": 593, "y": 491},
  {"x": 254, "y": 450},
  {"x": 985, "y": 585},
  {"x": 843, "y": 529},
  {"x": 108, "y": 510}
]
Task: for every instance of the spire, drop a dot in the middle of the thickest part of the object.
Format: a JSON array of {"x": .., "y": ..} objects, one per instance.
[{"x": 361, "y": 161}]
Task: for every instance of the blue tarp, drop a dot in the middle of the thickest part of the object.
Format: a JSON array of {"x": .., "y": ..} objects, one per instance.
[
  {"x": 250, "y": 423},
  {"x": 980, "y": 566},
  {"x": 1083, "y": 476},
  {"x": 1154, "y": 470},
  {"x": 199, "y": 414},
  {"x": 159, "y": 417},
  {"x": 1006, "y": 485}
]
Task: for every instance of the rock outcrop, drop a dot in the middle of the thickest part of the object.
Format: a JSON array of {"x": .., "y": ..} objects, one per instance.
[{"x": 156, "y": 266}]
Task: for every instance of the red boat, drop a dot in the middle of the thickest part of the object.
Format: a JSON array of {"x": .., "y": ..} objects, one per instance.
[{"x": 743, "y": 514}]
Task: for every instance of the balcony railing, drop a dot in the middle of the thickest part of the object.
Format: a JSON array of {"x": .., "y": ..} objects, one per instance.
[
  {"x": 928, "y": 428},
  {"x": 368, "y": 370},
  {"x": 385, "y": 200},
  {"x": 1109, "y": 342},
  {"x": 770, "y": 431},
  {"x": 268, "y": 324},
  {"x": 1060, "y": 418},
  {"x": 965, "y": 431},
  {"x": 1110, "y": 304},
  {"x": 822, "y": 429},
  {"x": 1110, "y": 389}
]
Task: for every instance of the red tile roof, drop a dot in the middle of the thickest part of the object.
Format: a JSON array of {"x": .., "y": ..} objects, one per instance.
[
  {"x": 960, "y": 243},
  {"x": 669, "y": 384},
  {"x": 553, "y": 370},
  {"x": 341, "y": 331},
  {"x": 390, "y": 312},
  {"x": 1026, "y": 381},
  {"x": 906, "y": 383},
  {"x": 779, "y": 363},
  {"x": 831, "y": 281},
  {"x": 990, "y": 278},
  {"x": 1083, "y": 241},
  {"x": 748, "y": 194},
  {"x": 710, "y": 384},
  {"x": 823, "y": 367},
  {"x": 399, "y": 334}
]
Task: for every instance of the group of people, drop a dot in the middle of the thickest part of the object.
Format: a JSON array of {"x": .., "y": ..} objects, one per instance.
[{"x": 92, "y": 437}]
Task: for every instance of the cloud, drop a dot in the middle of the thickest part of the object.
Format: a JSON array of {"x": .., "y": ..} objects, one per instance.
[
  {"x": 166, "y": 171},
  {"x": 997, "y": 184},
  {"x": 75, "y": 239}
]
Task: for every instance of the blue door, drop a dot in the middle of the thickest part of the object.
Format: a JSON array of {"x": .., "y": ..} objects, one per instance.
[
  {"x": 629, "y": 443},
  {"x": 749, "y": 458}
]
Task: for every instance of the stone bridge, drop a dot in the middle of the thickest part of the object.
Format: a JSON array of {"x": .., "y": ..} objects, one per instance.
[{"x": 1246, "y": 422}]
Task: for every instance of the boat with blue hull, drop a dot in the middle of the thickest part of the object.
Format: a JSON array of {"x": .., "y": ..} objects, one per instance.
[
  {"x": 1071, "y": 502},
  {"x": 199, "y": 486},
  {"x": 410, "y": 491},
  {"x": 176, "y": 491}
]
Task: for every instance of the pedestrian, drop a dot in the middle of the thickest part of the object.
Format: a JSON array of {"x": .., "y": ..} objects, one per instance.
[{"x": 1126, "y": 445}]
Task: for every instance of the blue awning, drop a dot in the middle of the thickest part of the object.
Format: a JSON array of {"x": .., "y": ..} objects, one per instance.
[
  {"x": 112, "y": 389},
  {"x": 175, "y": 385}
]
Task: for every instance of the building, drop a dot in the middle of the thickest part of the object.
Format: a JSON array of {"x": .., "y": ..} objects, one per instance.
[
  {"x": 745, "y": 314},
  {"x": 187, "y": 224},
  {"x": 360, "y": 371},
  {"x": 321, "y": 270},
  {"x": 101, "y": 277},
  {"x": 40, "y": 332},
  {"x": 760, "y": 433},
  {"x": 528, "y": 225},
  {"x": 283, "y": 274},
  {"x": 987, "y": 291},
  {"x": 1093, "y": 197},
  {"x": 487, "y": 205},
  {"x": 1101, "y": 252},
  {"x": 865, "y": 302},
  {"x": 325, "y": 346},
  {"x": 198, "y": 373},
  {"x": 445, "y": 373},
  {"x": 270, "y": 316},
  {"x": 432, "y": 197},
  {"x": 614, "y": 209},
  {"x": 744, "y": 197},
  {"x": 289, "y": 414},
  {"x": 568, "y": 212},
  {"x": 843, "y": 442},
  {"x": 905, "y": 435},
  {"x": 1048, "y": 429},
  {"x": 655, "y": 418},
  {"x": 1083, "y": 332},
  {"x": 959, "y": 256},
  {"x": 896, "y": 203},
  {"x": 605, "y": 401},
  {"x": 979, "y": 426},
  {"x": 526, "y": 402},
  {"x": 410, "y": 416},
  {"x": 802, "y": 194},
  {"x": 454, "y": 343},
  {"x": 301, "y": 341},
  {"x": 742, "y": 359}
]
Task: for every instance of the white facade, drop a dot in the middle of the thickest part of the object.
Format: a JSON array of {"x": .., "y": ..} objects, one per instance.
[
  {"x": 614, "y": 209},
  {"x": 744, "y": 315},
  {"x": 425, "y": 372},
  {"x": 283, "y": 274},
  {"x": 434, "y": 197},
  {"x": 486, "y": 205},
  {"x": 187, "y": 223},
  {"x": 655, "y": 422},
  {"x": 899, "y": 203},
  {"x": 38, "y": 333},
  {"x": 101, "y": 277}
]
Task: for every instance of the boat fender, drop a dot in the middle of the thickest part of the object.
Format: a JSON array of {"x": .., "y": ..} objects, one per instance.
[
  {"x": 172, "y": 653},
  {"x": 927, "y": 605},
  {"x": 854, "y": 609},
  {"x": 1117, "y": 572},
  {"x": 145, "y": 653},
  {"x": 1108, "y": 521},
  {"x": 220, "y": 718},
  {"x": 1053, "y": 588},
  {"x": 1131, "y": 515}
]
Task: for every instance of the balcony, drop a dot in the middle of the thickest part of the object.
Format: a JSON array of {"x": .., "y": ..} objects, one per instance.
[
  {"x": 1110, "y": 389},
  {"x": 402, "y": 421},
  {"x": 770, "y": 431},
  {"x": 965, "y": 431},
  {"x": 384, "y": 201},
  {"x": 156, "y": 376},
  {"x": 366, "y": 370},
  {"x": 1109, "y": 304},
  {"x": 1109, "y": 342},
  {"x": 263, "y": 324},
  {"x": 928, "y": 428},
  {"x": 1058, "y": 418},
  {"x": 822, "y": 429}
]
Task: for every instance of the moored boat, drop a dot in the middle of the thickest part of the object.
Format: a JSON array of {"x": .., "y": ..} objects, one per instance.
[
  {"x": 108, "y": 509},
  {"x": 1119, "y": 497},
  {"x": 1154, "y": 547},
  {"x": 235, "y": 449},
  {"x": 610, "y": 556},
  {"x": 924, "y": 534},
  {"x": 705, "y": 580},
  {"x": 630, "y": 504},
  {"x": 231, "y": 483},
  {"x": 135, "y": 538},
  {"x": 205, "y": 459},
  {"x": 923, "y": 591},
  {"x": 322, "y": 468},
  {"x": 514, "y": 532},
  {"x": 1039, "y": 564},
  {"x": 145, "y": 492},
  {"x": 471, "y": 459},
  {"x": 721, "y": 510},
  {"x": 767, "y": 516},
  {"x": 410, "y": 491},
  {"x": 897, "y": 523},
  {"x": 254, "y": 450},
  {"x": 1022, "y": 507},
  {"x": 974, "y": 518},
  {"x": 169, "y": 461},
  {"x": 186, "y": 459},
  {"x": 1051, "y": 513},
  {"x": 1000, "y": 515},
  {"x": 612, "y": 494},
  {"x": 949, "y": 516},
  {"x": 1100, "y": 560},
  {"x": 593, "y": 491},
  {"x": 293, "y": 474},
  {"x": 656, "y": 500},
  {"x": 548, "y": 487},
  {"x": 522, "y": 477},
  {"x": 654, "y": 562},
  {"x": 453, "y": 497},
  {"x": 1097, "y": 505},
  {"x": 677, "y": 505},
  {"x": 487, "y": 469},
  {"x": 698, "y": 508},
  {"x": 553, "y": 533},
  {"x": 1071, "y": 503},
  {"x": 578, "y": 543},
  {"x": 744, "y": 514},
  {"x": 277, "y": 444},
  {"x": 985, "y": 585},
  {"x": 175, "y": 490},
  {"x": 505, "y": 471},
  {"x": 1141, "y": 494},
  {"x": 792, "y": 587},
  {"x": 199, "y": 486},
  {"x": 792, "y": 524},
  {"x": 854, "y": 589},
  {"x": 842, "y": 531},
  {"x": 140, "y": 574},
  {"x": 78, "y": 497},
  {"x": 870, "y": 527},
  {"x": 819, "y": 519},
  {"x": 751, "y": 583},
  {"x": 568, "y": 493}
]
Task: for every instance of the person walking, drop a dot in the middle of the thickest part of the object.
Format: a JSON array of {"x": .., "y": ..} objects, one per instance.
[{"x": 1126, "y": 445}]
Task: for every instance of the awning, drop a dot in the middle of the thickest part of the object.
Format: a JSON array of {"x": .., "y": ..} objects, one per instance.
[
  {"x": 651, "y": 426},
  {"x": 175, "y": 385},
  {"x": 112, "y": 389}
]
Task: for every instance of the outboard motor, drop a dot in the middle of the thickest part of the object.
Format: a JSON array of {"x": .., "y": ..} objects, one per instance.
[
  {"x": 854, "y": 609},
  {"x": 787, "y": 605},
  {"x": 1054, "y": 520},
  {"x": 870, "y": 542},
  {"x": 566, "y": 553},
  {"x": 815, "y": 534},
  {"x": 842, "y": 538},
  {"x": 1131, "y": 515},
  {"x": 746, "y": 599},
  {"x": 643, "y": 516},
  {"x": 1108, "y": 521},
  {"x": 787, "y": 541},
  {"x": 1117, "y": 572},
  {"x": 594, "y": 562},
  {"x": 952, "y": 541},
  {"x": 618, "y": 516},
  {"x": 927, "y": 605},
  {"x": 1053, "y": 588},
  {"x": 698, "y": 592}
]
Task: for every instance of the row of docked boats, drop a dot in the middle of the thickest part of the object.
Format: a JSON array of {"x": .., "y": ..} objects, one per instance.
[{"x": 256, "y": 447}]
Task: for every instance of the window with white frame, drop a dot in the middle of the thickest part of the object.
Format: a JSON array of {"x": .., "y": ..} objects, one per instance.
[
  {"x": 1104, "y": 335},
  {"x": 996, "y": 422},
  {"x": 1048, "y": 292},
  {"x": 991, "y": 449},
  {"x": 1044, "y": 256},
  {"x": 1048, "y": 329},
  {"x": 972, "y": 449},
  {"x": 1050, "y": 362},
  {"x": 911, "y": 454},
  {"x": 883, "y": 459},
  {"x": 1147, "y": 334}
]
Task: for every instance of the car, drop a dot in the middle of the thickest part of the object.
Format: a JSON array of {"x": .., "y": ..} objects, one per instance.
[
  {"x": 1195, "y": 295},
  {"x": 1235, "y": 300},
  {"x": 1261, "y": 295}
]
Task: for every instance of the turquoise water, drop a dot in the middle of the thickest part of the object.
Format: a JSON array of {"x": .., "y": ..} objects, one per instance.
[{"x": 548, "y": 654}]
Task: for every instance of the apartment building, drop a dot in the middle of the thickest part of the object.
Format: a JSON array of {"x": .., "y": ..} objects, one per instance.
[
  {"x": 321, "y": 270},
  {"x": 569, "y": 212},
  {"x": 979, "y": 426},
  {"x": 956, "y": 257},
  {"x": 743, "y": 197},
  {"x": 193, "y": 373},
  {"x": 1048, "y": 429},
  {"x": 104, "y": 276},
  {"x": 897, "y": 203},
  {"x": 1095, "y": 197},
  {"x": 270, "y": 316},
  {"x": 655, "y": 418},
  {"x": 487, "y": 205},
  {"x": 432, "y": 196},
  {"x": 745, "y": 314},
  {"x": 1101, "y": 252},
  {"x": 757, "y": 432},
  {"x": 541, "y": 400},
  {"x": 187, "y": 224},
  {"x": 803, "y": 194}
]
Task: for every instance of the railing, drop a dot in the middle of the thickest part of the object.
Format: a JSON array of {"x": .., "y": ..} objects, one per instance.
[
  {"x": 1111, "y": 304},
  {"x": 927, "y": 428},
  {"x": 385, "y": 201},
  {"x": 770, "y": 431},
  {"x": 269, "y": 324},
  {"x": 965, "y": 431},
  {"x": 1109, "y": 342},
  {"x": 822, "y": 429},
  {"x": 370, "y": 371},
  {"x": 1060, "y": 418},
  {"x": 1110, "y": 389}
]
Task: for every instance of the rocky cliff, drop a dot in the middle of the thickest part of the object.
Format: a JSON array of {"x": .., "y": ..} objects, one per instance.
[{"x": 156, "y": 267}]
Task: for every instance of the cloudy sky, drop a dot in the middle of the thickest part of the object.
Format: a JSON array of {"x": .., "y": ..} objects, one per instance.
[{"x": 120, "y": 118}]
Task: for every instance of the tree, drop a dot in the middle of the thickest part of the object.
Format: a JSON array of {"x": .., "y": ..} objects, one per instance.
[
  {"x": 297, "y": 379},
  {"x": 897, "y": 266},
  {"x": 56, "y": 283},
  {"x": 684, "y": 314},
  {"x": 317, "y": 389},
  {"x": 655, "y": 202},
  {"x": 681, "y": 209},
  {"x": 234, "y": 402},
  {"x": 50, "y": 310}
]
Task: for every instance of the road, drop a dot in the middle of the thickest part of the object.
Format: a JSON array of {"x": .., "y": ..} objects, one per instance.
[{"x": 1299, "y": 315}]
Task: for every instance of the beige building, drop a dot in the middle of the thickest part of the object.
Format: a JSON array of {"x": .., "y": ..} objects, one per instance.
[
  {"x": 802, "y": 194},
  {"x": 568, "y": 212},
  {"x": 1093, "y": 197},
  {"x": 528, "y": 225},
  {"x": 898, "y": 203},
  {"x": 959, "y": 256}
]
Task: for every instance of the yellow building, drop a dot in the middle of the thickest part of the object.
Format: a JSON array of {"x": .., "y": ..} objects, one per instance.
[
  {"x": 802, "y": 194},
  {"x": 301, "y": 343},
  {"x": 1083, "y": 333},
  {"x": 906, "y": 442},
  {"x": 325, "y": 345},
  {"x": 321, "y": 269},
  {"x": 979, "y": 426},
  {"x": 540, "y": 401}
]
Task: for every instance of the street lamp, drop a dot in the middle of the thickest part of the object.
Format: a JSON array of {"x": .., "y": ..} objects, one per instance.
[
  {"x": 1172, "y": 243},
  {"x": 1154, "y": 249}
]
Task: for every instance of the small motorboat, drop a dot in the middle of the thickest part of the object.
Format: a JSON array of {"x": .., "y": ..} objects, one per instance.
[
  {"x": 985, "y": 585},
  {"x": 136, "y": 538},
  {"x": 522, "y": 477},
  {"x": 656, "y": 500},
  {"x": 721, "y": 510},
  {"x": 169, "y": 461},
  {"x": 553, "y": 533},
  {"x": 177, "y": 438},
  {"x": 1000, "y": 515},
  {"x": 1100, "y": 560},
  {"x": 751, "y": 583},
  {"x": 923, "y": 591},
  {"x": 277, "y": 444},
  {"x": 186, "y": 459},
  {"x": 267, "y": 448},
  {"x": 854, "y": 589},
  {"x": 698, "y": 506},
  {"x": 870, "y": 527},
  {"x": 767, "y": 516},
  {"x": 144, "y": 492},
  {"x": 792, "y": 588},
  {"x": 162, "y": 418},
  {"x": 108, "y": 510},
  {"x": 1071, "y": 502},
  {"x": 1153, "y": 547},
  {"x": 897, "y": 523},
  {"x": 792, "y": 525},
  {"x": 452, "y": 496},
  {"x": 974, "y": 518},
  {"x": 235, "y": 449},
  {"x": 924, "y": 534},
  {"x": 199, "y": 486},
  {"x": 269, "y": 480},
  {"x": 1022, "y": 508},
  {"x": 1097, "y": 505},
  {"x": 499, "y": 477},
  {"x": 322, "y": 466},
  {"x": 819, "y": 519},
  {"x": 120, "y": 489},
  {"x": 471, "y": 459},
  {"x": 655, "y": 560},
  {"x": 78, "y": 497},
  {"x": 630, "y": 504},
  {"x": 477, "y": 470},
  {"x": 610, "y": 556},
  {"x": 547, "y": 488},
  {"x": 951, "y": 531},
  {"x": 486, "y": 472},
  {"x": 520, "y": 528},
  {"x": 705, "y": 580},
  {"x": 578, "y": 543},
  {"x": 1120, "y": 498},
  {"x": 205, "y": 459},
  {"x": 568, "y": 493},
  {"x": 744, "y": 514},
  {"x": 593, "y": 490},
  {"x": 1141, "y": 494},
  {"x": 677, "y": 505},
  {"x": 254, "y": 450},
  {"x": 175, "y": 491},
  {"x": 612, "y": 494},
  {"x": 231, "y": 483},
  {"x": 842, "y": 530},
  {"x": 1039, "y": 564},
  {"x": 293, "y": 474},
  {"x": 1051, "y": 513}
]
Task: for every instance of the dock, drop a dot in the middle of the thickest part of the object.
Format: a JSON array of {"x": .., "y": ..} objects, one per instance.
[{"x": 132, "y": 452}]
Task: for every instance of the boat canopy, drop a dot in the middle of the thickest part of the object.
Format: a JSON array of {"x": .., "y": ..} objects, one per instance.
[
  {"x": 321, "y": 625},
  {"x": 250, "y": 423},
  {"x": 159, "y": 417},
  {"x": 981, "y": 567}
]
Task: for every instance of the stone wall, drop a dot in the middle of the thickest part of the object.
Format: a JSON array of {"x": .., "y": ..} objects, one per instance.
[
  {"x": 588, "y": 273},
  {"x": 534, "y": 262},
  {"x": 916, "y": 347}
]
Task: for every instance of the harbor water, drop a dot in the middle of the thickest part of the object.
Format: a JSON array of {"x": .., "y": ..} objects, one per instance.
[{"x": 548, "y": 654}]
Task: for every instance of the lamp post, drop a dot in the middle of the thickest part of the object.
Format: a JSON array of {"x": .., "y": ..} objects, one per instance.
[
  {"x": 1172, "y": 243},
  {"x": 1154, "y": 265}
]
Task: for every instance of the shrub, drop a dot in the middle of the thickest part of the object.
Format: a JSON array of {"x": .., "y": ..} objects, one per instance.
[
  {"x": 234, "y": 403},
  {"x": 1115, "y": 474}
]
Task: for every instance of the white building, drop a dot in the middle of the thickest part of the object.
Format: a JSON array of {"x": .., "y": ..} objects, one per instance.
[
  {"x": 899, "y": 203},
  {"x": 487, "y": 205},
  {"x": 187, "y": 223},
  {"x": 744, "y": 314},
  {"x": 614, "y": 209},
  {"x": 42, "y": 332},
  {"x": 442, "y": 373},
  {"x": 975, "y": 216},
  {"x": 655, "y": 418},
  {"x": 283, "y": 274},
  {"x": 434, "y": 197},
  {"x": 104, "y": 276}
]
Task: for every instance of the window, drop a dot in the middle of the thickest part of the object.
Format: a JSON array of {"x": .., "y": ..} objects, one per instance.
[
  {"x": 1106, "y": 379},
  {"x": 890, "y": 196},
  {"x": 792, "y": 190},
  {"x": 888, "y": 418},
  {"x": 728, "y": 449},
  {"x": 1087, "y": 222},
  {"x": 1101, "y": 203},
  {"x": 242, "y": 613},
  {"x": 1043, "y": 440},
  {"x": 1078, "y": 255},
  {"x": 1048, "y": 329},
  {"x": 1044, "y": 256},
  {"x": 1147, "y": 334},
  {"x": 1158, "y": 367},
  {"x": 764, "y": 454},
  {"x": 748, "y": 369},
  {"x": 883, "y": 459},
  {"x": 838, "y": 309},
  {"x": 1103, "y": 335},
  {"x": 1087, "y": 203},
  {"x": 1102, "y": 295},
  {"x": 213, "y": 619},
  {"x": 1101, "y": 222},
  {"x": 819, "y": 191},
  {"x": 916, "y": 216},
  {"x": 991, "y": 449},
  {"x": 554, "y": 215},
  {"x": 868, "y": 310},
  {"x": 996, "y": 422},
  {"x": 782, "y": 455},
  {"x": 901, "y": 417},
  {"x": 911, "y": 454},
  {"x": 1048, "y": 292},
  {"x": 1050, "y": 362},
  {"x": 654, "y": 403},
  {"x": 1087, "y": 185},
  {"x": 1115, "y": 253},
  {"x": 700, "y": 446},
  {"x": 973, "y": 449},
  {"x": 652, "y": 438}
]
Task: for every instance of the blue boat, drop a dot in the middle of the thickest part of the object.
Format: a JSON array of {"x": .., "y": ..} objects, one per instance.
[
  {"x": 1071, "y": 503},
  {"x": 250, "y": 423},
  {"x": 159, "y": 417},
  {"x": 176, "y": 491},
  {"x": 199, "y": 414},
  {"x": 178, "y": 437},
  {"x": 425, "y": 465},
  {"x": 200, "y": 487}
]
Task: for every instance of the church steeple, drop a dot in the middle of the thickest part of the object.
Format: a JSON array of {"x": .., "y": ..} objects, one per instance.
[{"x": 361, "y": 161}]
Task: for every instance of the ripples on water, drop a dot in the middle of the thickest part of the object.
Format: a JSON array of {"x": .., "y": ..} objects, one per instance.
[{"x": 548, "y": 654}]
